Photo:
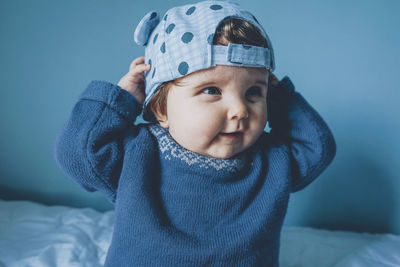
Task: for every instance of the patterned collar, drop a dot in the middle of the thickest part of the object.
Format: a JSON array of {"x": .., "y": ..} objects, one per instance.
[{"x": 170, "y": 149}]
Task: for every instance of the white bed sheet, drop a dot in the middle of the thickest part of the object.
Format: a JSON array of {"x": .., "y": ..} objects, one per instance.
[{"x": 33, "y": 234}]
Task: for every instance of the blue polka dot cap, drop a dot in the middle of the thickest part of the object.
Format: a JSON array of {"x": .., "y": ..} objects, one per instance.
[{"x": 180, "y": 42}]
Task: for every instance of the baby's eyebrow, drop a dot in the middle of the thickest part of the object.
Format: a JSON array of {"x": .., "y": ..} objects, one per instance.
[{"x": 203, "y": 85}]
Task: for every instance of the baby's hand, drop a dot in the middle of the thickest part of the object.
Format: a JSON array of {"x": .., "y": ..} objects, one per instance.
[{"x": 133, "y": 81}]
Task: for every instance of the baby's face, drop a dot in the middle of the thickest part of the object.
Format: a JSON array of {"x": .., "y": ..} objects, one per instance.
[{"x": 218, "y": 112}]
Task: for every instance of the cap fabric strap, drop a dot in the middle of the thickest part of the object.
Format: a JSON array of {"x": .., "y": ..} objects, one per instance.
[{"x": 244, "y": 55}]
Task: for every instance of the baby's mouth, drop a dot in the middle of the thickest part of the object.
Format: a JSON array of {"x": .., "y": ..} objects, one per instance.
[{"x": 231, "y": 136}]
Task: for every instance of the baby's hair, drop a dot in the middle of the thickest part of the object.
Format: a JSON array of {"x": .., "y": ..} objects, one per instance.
[
  {"x": 230, "y": 30},
  {"x": 238, "y": 31}
]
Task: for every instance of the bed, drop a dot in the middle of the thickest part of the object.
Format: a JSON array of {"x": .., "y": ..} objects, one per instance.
[{"x": 33, "y": 234}]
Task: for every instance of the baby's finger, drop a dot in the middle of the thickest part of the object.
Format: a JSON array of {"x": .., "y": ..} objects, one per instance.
[
  {"x": 136, "y": 61},
  {"x": 140, "y": 69}
]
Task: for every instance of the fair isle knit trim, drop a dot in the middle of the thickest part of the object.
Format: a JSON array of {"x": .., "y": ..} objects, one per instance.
[{"x": 171, "y": 149}]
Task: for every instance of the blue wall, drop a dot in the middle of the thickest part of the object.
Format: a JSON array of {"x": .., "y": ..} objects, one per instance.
[{"x": 343, "y": 56}]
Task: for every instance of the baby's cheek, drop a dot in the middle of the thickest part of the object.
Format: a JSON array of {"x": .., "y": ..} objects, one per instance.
[
  {"x": 205, "y": 116},
  {"x": 260, "y": 113},
  {"x": 203, "y": 126}
]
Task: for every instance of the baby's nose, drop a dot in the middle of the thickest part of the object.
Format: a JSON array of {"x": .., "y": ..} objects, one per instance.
[{"x": 237, "y": 110}]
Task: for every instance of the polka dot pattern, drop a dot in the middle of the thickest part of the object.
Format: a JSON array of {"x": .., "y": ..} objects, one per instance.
[
  {"x": 190, "y": 10},
  {"x": 153, "y": 15},
  {"x": 162, "y": 48},
  {"x": 216, "y": 7},
  {"x": 187, "y": 37},
  {"x": 183, "y": 68},
  {"x": 155, "y": 38},
  {"x": 170, "y": 28}
]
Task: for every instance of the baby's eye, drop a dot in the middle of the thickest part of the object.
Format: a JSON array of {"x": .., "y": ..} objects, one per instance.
[
  {"x": 211, "y": 91},
  {"x": 254, "y": 91}
]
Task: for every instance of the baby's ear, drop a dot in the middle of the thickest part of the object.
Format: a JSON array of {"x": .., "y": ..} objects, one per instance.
[
  {"x": 161, "y": 117},
  {"x": 164, "y": 123}
]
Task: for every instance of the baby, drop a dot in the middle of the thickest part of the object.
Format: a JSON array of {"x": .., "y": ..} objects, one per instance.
[{"x": 202, "y": 184}]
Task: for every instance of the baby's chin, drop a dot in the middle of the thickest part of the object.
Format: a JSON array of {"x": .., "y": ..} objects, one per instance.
[{"x": 222, "y": 153}]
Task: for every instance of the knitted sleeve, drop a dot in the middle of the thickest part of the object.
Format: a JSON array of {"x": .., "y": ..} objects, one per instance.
[
  {"x": 90, "y": 147},
  {"x": 299, "y": 127}
]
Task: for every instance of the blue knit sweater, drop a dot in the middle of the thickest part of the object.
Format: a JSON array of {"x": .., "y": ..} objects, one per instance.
[{"x": 174, "y": 207}]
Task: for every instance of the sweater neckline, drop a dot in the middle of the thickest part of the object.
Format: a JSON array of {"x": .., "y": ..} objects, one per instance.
[{"x": 172, "y": 150}]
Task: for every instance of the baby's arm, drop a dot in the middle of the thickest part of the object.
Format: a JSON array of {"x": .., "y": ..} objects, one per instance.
[
  {"x": 296, "y": 124},
  {"x": 90, "y": 147}
]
